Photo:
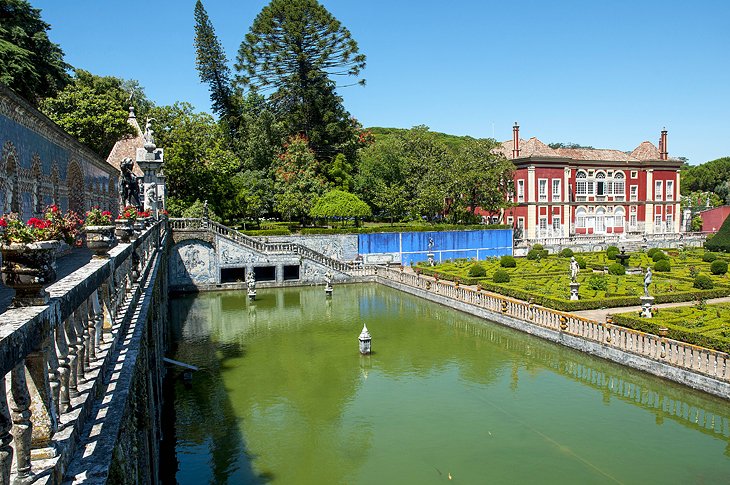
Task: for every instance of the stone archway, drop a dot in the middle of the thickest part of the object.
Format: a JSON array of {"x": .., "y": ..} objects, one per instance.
[
  {"x": 36, "y": 175},
  {"x": 55, "y": 181},
  {"x": 11, "y": 186},
  {"x": 76, "y": 188}
]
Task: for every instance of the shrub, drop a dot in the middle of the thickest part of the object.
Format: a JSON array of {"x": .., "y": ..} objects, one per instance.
[
  {"x": 477, "y": 271},
  {"x": 508, "y": 262},
  {"x": 539, "y": 247},
  {"x": 721, "y": 240},
  {"x": 662, "y": 266},
  {"x": 659, "y": 256},
  {"x": 501, "y": 276},
  {"x": 718, "y": 267},
  {"x": 566, "y": 252},
  {"x": 534, "y": 254},
  {"x": 581, "y": 262},
  {"x": 651, "y": 252},
  {"x": 693, "y": 271},
  {"x": 612, "y": 252},
  {"x": 703, "y": 282},
  {"x": 598, "y": 282},
  {"x": 617, "y": 269},
  {"x": 709, "y": 257}
]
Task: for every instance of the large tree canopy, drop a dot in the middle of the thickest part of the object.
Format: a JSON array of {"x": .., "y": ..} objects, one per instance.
[
  {"x": 292, "y": 51},
  {"x": 30, "y": 64},
  {"x": 338, "y": 203}
]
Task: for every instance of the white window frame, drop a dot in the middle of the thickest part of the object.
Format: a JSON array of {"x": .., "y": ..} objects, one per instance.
[
  {"x": 634, "y": 174},
  {"x": 543, "y": 223},
  {"x": 670, "y": 190},
  {"x": 521, "y": 190},
  {"x": 510, "y": 220},
  {"x": 521, "y": 223},
  {"x": 556, "y": 222},
  {"x": 658, "y": 190},
  {"x": 580, "y": 217},
  {"x": 556, "y": 190},
  {"x": 542, "y": 190}
]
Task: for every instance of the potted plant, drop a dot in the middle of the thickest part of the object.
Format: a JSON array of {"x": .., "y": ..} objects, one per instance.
[
  {"x": 123, "y": 223},
  {"x": 144, "y": 218},
  {"x": 99, "y": 231},
  {"x": 29, "y": 252}
]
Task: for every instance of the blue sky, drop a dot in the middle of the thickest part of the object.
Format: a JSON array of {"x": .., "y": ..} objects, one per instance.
[{"x": 609, "y": 74}]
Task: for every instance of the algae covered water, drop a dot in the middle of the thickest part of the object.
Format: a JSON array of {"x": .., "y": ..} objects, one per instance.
[{"x": 284, "y": 397}]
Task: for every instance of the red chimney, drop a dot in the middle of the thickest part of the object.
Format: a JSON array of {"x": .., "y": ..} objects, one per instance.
[
  {"x": 516, "y": 141},
  {"x": 663, "y": 153}
]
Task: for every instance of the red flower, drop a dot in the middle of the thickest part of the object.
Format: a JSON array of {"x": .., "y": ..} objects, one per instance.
[
  {"x": 3, "y": 223},
  {"x": 38, "y": 223},
  {"x": 106, "y": 213},
  {"x": 53, "y": 208}
]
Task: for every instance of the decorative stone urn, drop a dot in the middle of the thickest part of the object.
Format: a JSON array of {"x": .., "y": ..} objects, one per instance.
[
  {"x": 100, "y": 239},
  {"x": 123, "y": 230},
  {"x": 27, "y": 268}
]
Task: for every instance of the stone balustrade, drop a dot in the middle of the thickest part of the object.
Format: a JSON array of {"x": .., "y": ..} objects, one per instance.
[
  {"x": 629, "y": 241},
  {"x": 698, "y": 360},
  {"x": 54, "y": 358}
]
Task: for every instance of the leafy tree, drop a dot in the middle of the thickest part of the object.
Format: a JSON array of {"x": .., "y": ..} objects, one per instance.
[
  {"x": 212, "y": 65},
  {"x": 557, "y": 145},
  {"x": 296, "y": 180},
  {"x": 338, "y": 203},
  {"x": 696, "y": 224},
  {"x": 708, "y": 177},
  {"x": 292, "y": 50},
  {"x": 30, "y": 64},
  {"x": 93, "y": 109}
]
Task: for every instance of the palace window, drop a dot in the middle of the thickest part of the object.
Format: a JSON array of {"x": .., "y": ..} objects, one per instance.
[
  {"x": 542, "y": 190},
  {"x": 634, "y": 174},
  {"x": 543, "y": 223},
  {"x": 521, "y": 190},
  {"x": 658, "y": 185},
  {"x": 600, "y": 183},
  {"x": 618, "y": 217},
  {"x": 580, "y": 217},
  {"x": 581, "y": 184},
  {"x": 634, "y": 193},
  {"x": 556, "y": 190},
  {"x": 556, "y": 222},
  {"x": 670, "y": 189},
  {"x": 619, "y": 186}
]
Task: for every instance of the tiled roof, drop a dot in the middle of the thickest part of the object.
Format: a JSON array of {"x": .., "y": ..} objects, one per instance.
[
  {"x": 530, "y": 148},
  {"x": 646, "y": 151},
  {"x": 127, "y": 147},
  {"x": 595, "y": 154}
]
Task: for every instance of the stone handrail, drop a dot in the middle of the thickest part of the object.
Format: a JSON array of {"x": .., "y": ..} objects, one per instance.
[
  {"x": 661, "y": 349},
  {"x": 56, "y": 356},
  {"x": 256, "y": 245},
  {"x": 610, "y": 238}
]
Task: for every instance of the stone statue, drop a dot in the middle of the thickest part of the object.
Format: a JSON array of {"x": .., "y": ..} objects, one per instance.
[
  {"x": 574, "y": 268},
  {"x": 647, "y": 280},
  {"x": 430, "y": 244},
  {"x": 128, "y": 184},
  {"x": 251, "y": 281},
  {"x": 328, "y": 279}
]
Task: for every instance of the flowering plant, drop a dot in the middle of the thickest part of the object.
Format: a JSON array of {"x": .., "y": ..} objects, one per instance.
[
  {"x": 53, "y": 225},
  {"x": 129, "y": 212},
  {"x": 97, "y": 217},
  {"x": 144, "y": 213}
]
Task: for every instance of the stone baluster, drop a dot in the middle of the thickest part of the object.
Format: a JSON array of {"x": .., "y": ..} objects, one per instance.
[
  {"x": 97, "y": 329},
  {"x": 90, "y": 329},
  {"x": 73, "y": 390},
  {"x": 54, "y": 375},
  {"x": 45, "y": 411},
  {"x": 81, "y": 316},
  {"x": 64, "y": 401},
  {"x": 22, "y": 425},
  {"x": 6, "y": 425}
]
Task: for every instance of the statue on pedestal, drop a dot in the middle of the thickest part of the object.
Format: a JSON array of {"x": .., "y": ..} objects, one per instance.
[
  {"x": 574, "y": 269},
  {"x": 647, "y": 280},
  {"x": 128, "y": 184}
]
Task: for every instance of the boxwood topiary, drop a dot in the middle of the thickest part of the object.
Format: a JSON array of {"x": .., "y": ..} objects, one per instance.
[
  {"x": 539, "y": 247},
  {"x": 566, "y": 252},
  {"x": 703, "y": 282},
  {"x": 659, "y": 256},
  {"x": 721, "y": 240},
  {"x": 581, "y": 262},
  {"x": 501, "y": 276},
  {"x": 477, "y": 271},
  {"x": 709, "y": 257},
  {"x": 611, "y": 252},
  {"x": 534, "y": 254},
  {"x": 651, "y": 252},
  {"x": 507, "y": 262},
  {"x": 617, "y": 269},
  {"x": 718, "y": 267},
  {"x": 663, "y": 266},
  {"x": 598, "y": 282}
]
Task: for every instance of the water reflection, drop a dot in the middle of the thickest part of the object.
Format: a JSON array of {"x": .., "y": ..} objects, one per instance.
[{"x": 284, "y": 396}]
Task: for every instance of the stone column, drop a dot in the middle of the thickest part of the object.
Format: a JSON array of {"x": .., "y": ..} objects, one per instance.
[
  {"x": 531, "y": 201},
  {"x": 649, "y": 207},
  {"x": 280, "y": 273},
  {"x": 567, "y": 213}
]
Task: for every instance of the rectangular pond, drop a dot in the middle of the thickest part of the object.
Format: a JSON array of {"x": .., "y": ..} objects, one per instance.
[{"x": 283, "y": 396}]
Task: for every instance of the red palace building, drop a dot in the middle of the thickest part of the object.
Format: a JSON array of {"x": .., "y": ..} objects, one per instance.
[{"x": 565, "y": 192}]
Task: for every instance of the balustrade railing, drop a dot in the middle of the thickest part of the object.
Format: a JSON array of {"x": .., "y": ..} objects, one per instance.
[
  {"x": 661, "y": 349},
  {"x": 615, "y": 239},
  {"x": 54, "y": 356}
]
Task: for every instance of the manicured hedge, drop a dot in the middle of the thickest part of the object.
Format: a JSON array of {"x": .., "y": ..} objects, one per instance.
[
  {"x": 718, "y": 267},
  {"x": 267, "y": 232},
  {"x": 566, "y": 252},
  {"x": 663, "y": 266},
  {"x": 500, "y": 276},
  {"x": 617, "y": 269},
  {"x": 378, "y": 229},
  {"x": 477, "y": 271},
  {"x": 703, "y": 282},
  {"x": 507, "y": 262},
  {"x": 709, "y": 257},
  {"x": 721, "y": 240}
]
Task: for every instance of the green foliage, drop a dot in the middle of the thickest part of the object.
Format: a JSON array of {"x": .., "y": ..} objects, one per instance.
[
  {"x": 337, "y": 203},
  {"x": 598, "y": 282},
  {"x": 537, "y": 254},
  {"x": 709, "y": 257},
  {"x": 501, "y": 276},
  {"x": 703, "y": 282},
  {"x": 212, "y": 65},
  {"x": 507, "y": 262},
  {"x": 197, "y": 210},
  {"x": 612, "y": 252},
  {"x": 617, "y": 269},
  {"x": 708, "y": 177},
  {"x": 94, "y": 109},
  {"x": 718, "y": 267},
  {"x": 291, "y": 51},
  {"x": 394, "y": 228},
  {"x": 652, "y": 251},
  {"x": 581, "y": 262},
  {"x": 539, "y": 247},
  {"x": 30, "y": 64},
  {"x": 477, "y": 271},
  {"x": 663, "y": 265},
  {"x": 696, "y": 224},
  {"x": 297, "y": 182},
  {"x": 659, "y": 256},
  {"x": 566, "y": 252},
  {"x": 268, "y": 232},
  {"x": 721, "y": 241}
]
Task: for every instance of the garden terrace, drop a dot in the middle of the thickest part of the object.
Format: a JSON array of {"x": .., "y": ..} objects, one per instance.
[{"x": 100, "y": 327}]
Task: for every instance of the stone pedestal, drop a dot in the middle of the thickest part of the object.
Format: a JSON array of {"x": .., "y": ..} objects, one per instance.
[
  {"x": 431, "y": 259},
  {"x": 574, "y": 290},
  {"x": 646, "y": 303}
]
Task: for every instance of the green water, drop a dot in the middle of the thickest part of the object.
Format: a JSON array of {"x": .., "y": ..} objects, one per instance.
[{"x": 284, "y": 397}]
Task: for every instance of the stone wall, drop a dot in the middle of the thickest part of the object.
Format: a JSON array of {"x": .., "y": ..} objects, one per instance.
[{"x": 40, "y": 164}]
